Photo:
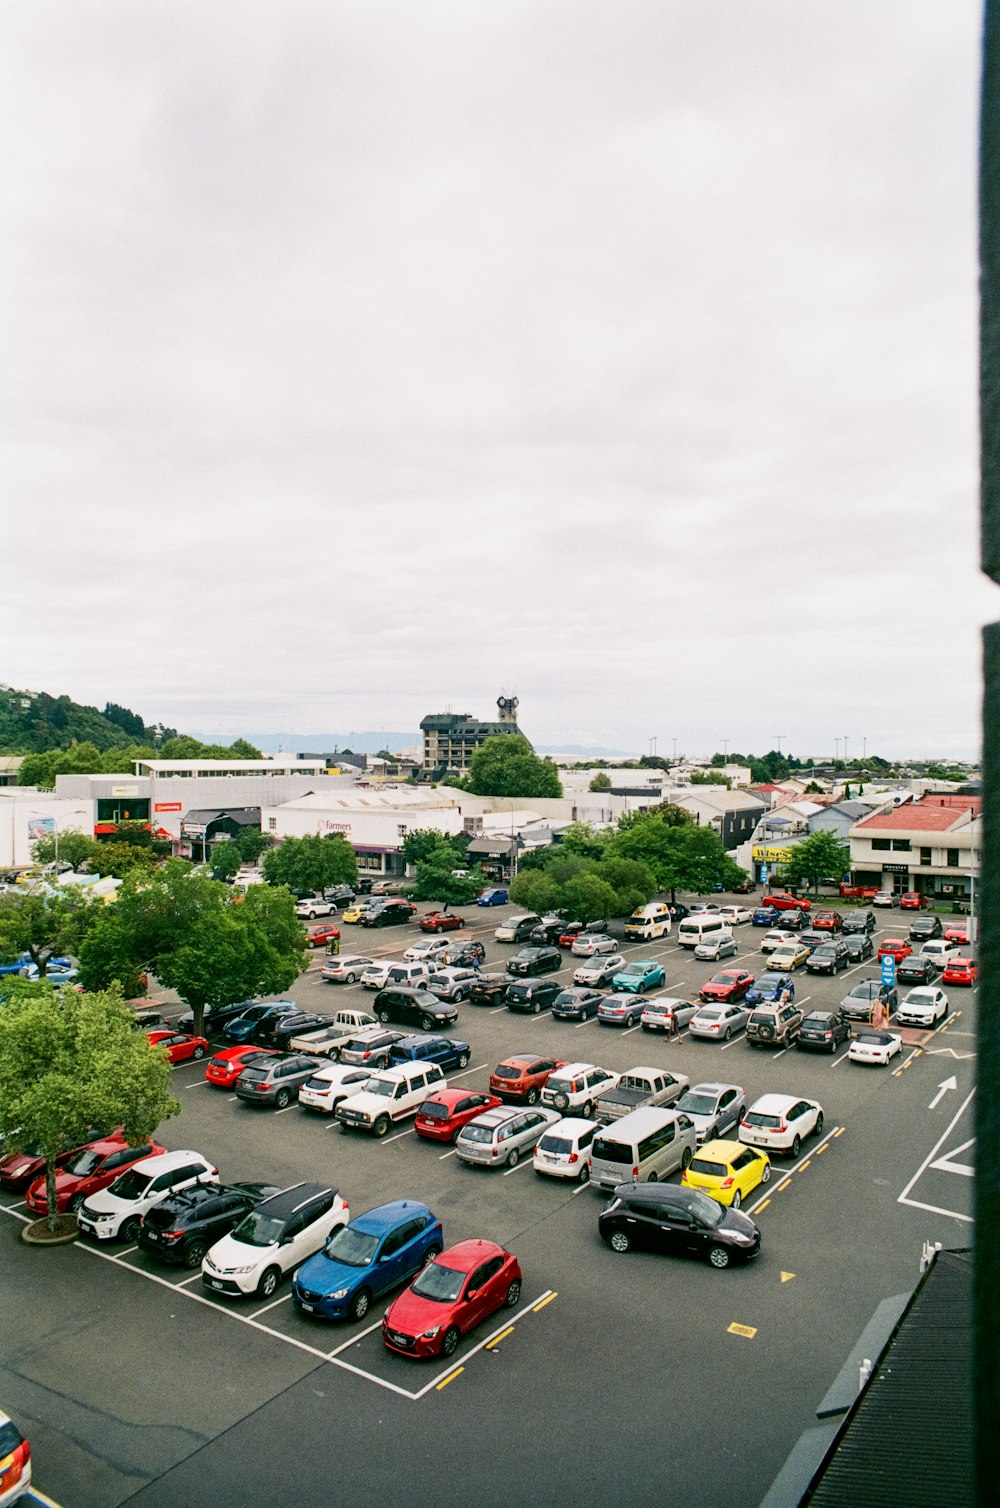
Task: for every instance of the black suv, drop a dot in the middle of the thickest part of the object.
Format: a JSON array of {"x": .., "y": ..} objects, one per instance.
[
  {"x": 823, "y": 1031},
  {"x": 922, "y": 928},
  {"x": 531, "y": 961},
  {"x": 411, "y": 1007},
  {"x": 182, "y": 1228},
  {"x": 215, "y": 1017},
  {"x": 278, "y": 1082},
  {"x": 547, "y": 932},
  {"x": 532, "y": 994},
  {"x": 681, "y": 1222},
  {"x": 277, "y": 1031},
  {"x": 828, "y": 958},
  {"x": 392, "y": 914},
  {"x": 863, "y": 921}
]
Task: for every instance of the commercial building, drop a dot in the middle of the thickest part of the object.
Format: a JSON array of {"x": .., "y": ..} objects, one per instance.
[
  {"x": 451, "y": 738},
  {"x": 932, "y": 846}
]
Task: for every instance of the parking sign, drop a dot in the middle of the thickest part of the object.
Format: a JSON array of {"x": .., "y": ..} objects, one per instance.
[
  {"x": 888, "y": 971},
  {"x": 764, "y": 872}
]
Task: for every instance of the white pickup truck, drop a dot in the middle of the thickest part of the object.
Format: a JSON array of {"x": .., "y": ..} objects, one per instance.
[
  {"x": 639, "y": 1088},
  {"x": 326, "y": 1041}
]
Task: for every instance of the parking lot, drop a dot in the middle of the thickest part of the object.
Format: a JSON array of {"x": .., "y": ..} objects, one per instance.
[{"x": 140, "y": 1386}]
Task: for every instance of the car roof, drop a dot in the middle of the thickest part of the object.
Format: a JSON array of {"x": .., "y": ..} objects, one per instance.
[
  {"x": 161, "y": 1162},
  {"x": 384, "y": 1217},
  {"x": 498, "y": 1116},
  {"x": 712, "y": 1088},
  {"x": 721, "y": 1150},
  {"x": 295, "y": 1198},
  {"x": 572, "y": 1069},
  {"x": 655, "y": 1193},
  {"x": 770, "y": 1104},
  {"x": 466, "y": 1255},
  {"x": 450, "y": 1097},
  {"x": 573, "y": 1125}
]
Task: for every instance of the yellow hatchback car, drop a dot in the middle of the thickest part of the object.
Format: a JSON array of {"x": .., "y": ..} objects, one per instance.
[
  {"x": 727, "y": 1171},
  {"x": 353, "y": 912}
]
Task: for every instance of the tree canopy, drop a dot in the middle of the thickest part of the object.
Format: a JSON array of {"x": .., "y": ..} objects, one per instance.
[
  {"x": 507, "y": 765},
  {"x": 600, "y": 782},
  {"x": 311, "y": 863},
  {"x": 679, "y": 854},
  {"x": 71, "y": 1063},
  {"x": 44, "y": 925},
  {"x": 820, "y": 856},
  {"x": 586, "y": 887}
]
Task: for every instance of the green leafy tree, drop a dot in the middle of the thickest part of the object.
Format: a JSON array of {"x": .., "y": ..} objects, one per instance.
[
  {"x": 709, "y": 777},
  {"x": 587, "y": 896},
  {"x": 633, "y": 883},
  {"x": 241, "y": 749},
  {"x": 225, "y": 860},
  {"x": 43, "y": 926},
  {"x": 121, "y": 859},
  {"x": 507, "y": 765},
  {"x": 586, "y": 888},
  {"x": 436, "y": 882},
  {"x": 583, "y": 839},
  {"x": 251, "y": 843},
  {"x": 536, "y": 890},
  {"x": 679, "y": 855},
  {"x": 70, "y": 1063},
  {"x": 74, "y": 847},
  {"x": 311, "y": 863},
  {"x": 425, "y": 844},
  {"x": 821, "y": 854},
  {"x": 600, "y": 782}
]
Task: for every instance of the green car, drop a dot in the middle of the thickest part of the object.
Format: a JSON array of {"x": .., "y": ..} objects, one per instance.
[{"x": 641, "y": 975}]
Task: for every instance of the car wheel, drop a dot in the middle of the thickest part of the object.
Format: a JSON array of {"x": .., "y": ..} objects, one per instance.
[
  {"x": 686, "y": 1159},
  {"x": 584, "y": 1174},
  {"x": 833, "y": 1045},
  {"x": 513, "y": 1157},
  {"x": 588, "y": 1110},
  {"x": 796, "y": 1146},
  {"x": 536, "y": 1008},
  {"x": 431, "y": 1253},
  {"x": 532, "y": 1097},
  {"x": 719, "y": 1257},
  {"x": 944, "y": 1012},
  {"x": 360, "y": 1304},
  {"x": 765, "y": 1176},
  {"x": 349, "y": 978},
  {"x": 383, "y": 1016},
  {"x": 281, "y": 1098},
  {"x": 268, "y": 1283},
  {"x": 427, "y": 1024},
  {"x": 450, "y": 1343},
  {"x": 727, "y": 1034},
  {"x": 199, "y": 1052},
  {"x": 653, "y": 1178},
  {"x": 381, "y": 1126},
  {"x": 513, "y": 1294},
  {"x": 129, "y": 1229},
  {"x": 194, "y": 1253},
  {"x": 819, "y": 1124},
  {"x": 736, "y": 1200},
  {"x": 620, "y": 1241}
]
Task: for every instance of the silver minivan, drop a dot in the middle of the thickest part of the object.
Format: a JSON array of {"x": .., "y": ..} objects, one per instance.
[
  {"x": 701, "y": 928},
  {"x": 643, "y": 1147}
]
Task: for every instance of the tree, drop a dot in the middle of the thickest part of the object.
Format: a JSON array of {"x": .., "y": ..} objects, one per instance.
[
  {"x": 120, "y": 859},
  {"x": 225, "y": 860},
  {"x": 70, "y": 1063},
  {"x": 820, "y": 855},
  {"x": 311, "y": 863},
  {"x": 250, "y": 843},
  {"x": 75, "y": 847},
  {"x": 436, "y": 882},
  {"x": 709, "y": 777},
  {"x": 425, "y": 843},
  {"x": 600, "y": 782},
  {"x": 241, "y": 749},
  {"x": 680, "y": 855},
  {"x": 507, "y": 765},
  {"x": 536, "y": 891},
  {"x": 43, "y": 926},
  {"x": 583, "y": 887}
]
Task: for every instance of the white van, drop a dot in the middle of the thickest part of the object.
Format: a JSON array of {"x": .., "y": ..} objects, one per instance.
[
  {"x": 704, "y": 927},
  {"x": 647, "y": 922},
  {"x": 644, "y": 1146}
]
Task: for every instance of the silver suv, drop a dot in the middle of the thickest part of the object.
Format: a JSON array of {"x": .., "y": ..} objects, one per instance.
[{"x": 774, "y": 1025}]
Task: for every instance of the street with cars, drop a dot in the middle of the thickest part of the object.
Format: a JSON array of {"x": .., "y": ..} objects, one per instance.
[{"x": 473, "y": 1131}]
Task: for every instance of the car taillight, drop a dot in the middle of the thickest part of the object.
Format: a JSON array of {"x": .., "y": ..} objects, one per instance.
[
  {"x": 635, "y": 1172},
  {"x": 781, "y": 1129},
  {"x": 171, "y": 1235},
  {"x": 574, "y": 1157},
  {"x": 495, "y": 1152},
  {"x": 727, "y": 1183}
]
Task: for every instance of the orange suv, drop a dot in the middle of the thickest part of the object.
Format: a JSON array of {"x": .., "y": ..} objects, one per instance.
[
  {"x": 522, "y": 1078},
  {"x": 827, "y": 921}
]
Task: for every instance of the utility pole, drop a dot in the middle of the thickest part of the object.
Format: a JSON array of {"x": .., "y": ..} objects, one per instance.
[
  {"x": 725, "y": 749},
  {"x": 836, "y": 748},
  {"x": 845, "y": 748}
]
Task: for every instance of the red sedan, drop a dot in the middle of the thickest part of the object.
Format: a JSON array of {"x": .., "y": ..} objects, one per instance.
[
  {"x": 895, "y": 947},
  {"x": 225, "y": 1067},
  {"x": 957, "y": 971},
  {"x": 727, "y": 985},
  {"x": 441, "y": 921},
  {"x": 93, "y": 1168},
  {"x": 19, "y": 1169},
  {"x": 179, "y": 1046},
  {"x": 321, "y": 934},
  {"x": 450, "y": 1296},
  {"x": 781, "y": 900},
  {"x": 827, "y": 921},
  {"x": 443, "y": 1114},
  {"x": 958, "y": 932}
]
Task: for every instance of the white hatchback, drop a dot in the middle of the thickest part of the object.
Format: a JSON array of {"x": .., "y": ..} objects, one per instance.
[
  {"x": 115, "y": 1213},
  {"x": 566, "y": 1148},
  {"x": 376, "y": 974},
  {"x": 577, "y": 1086},
  {"x": 329, "y": 1086},
  {"x": 924, "y": 1005},
  {"x": 781, "y": 1123}
]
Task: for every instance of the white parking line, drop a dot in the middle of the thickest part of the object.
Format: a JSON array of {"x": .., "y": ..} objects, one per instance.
[
  {"x": 497, "y": 1009},
  {"x": 273, "y": 1304},
  {"x": 474, "y": 1069},
  {"x": 194, "y": 1278},
  {"x": 447, "y": 1154},
  {"x": 353, "y": 1339},
  {"x": 293, "y": 1106},
  {"x": 398, "y": 1136},
  {"x": 518, "y": 1169},
  {"x": 733, "y": 1040},
  {"x": 198, "y": 1084},
  {"x": 933, "y": 1208}
]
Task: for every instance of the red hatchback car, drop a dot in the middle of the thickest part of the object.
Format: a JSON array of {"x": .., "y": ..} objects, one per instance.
[
  {"x": 225, "y": 1067},
  {"x": 957, "y": 932},
  {"x": 728, "y": 984},
  {"x": 895, "y": 947},
  {"x": 956, "y": 971},
  {"x": 19, "y": 1169},
  {"x": 450, "y": 1296},
  {"x": 522, "y": 1077},
  {"x": 321, "y": 934},
  {"x": 179, "y": 1046},
  {"x": 441, "y": 921},
  {"x": 443, "y": 1114},
  {"x": 911, "y": 900},
  {"x": 93, "y": 1168},
  {"x": 827, "y": 921}
]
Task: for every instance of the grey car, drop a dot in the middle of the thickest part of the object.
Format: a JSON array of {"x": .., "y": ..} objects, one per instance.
[
  {"x": 599, "y": 971},
  {"x": 857, "y": 1006},
  {"x": 720, "y": 946},
  {"x": 276, "y": 1083},
  {"x": 452, "y": 984},
  {"x": 718, "y": 1021},
  {"x": 714, "y": 1109},
  {"x": 499, "y": 1138},
  {"x": 370, "y": 1047},
  {"x": 666, "y": 1013}
]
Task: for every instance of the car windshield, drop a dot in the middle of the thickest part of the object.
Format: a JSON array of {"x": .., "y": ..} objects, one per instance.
[
  {"x": 706, "y": 1211},
  {"x": 131, "y": 1185},
  {"x": 503, "y": 1071},
  {"x": 384, "y": 1087},
  {"x": 769, "y": 981},
  {"x": 697, "y": 1104},
  {"x": 85, "y": 1163},
  {"x": 438, "y": 1282},
  {"x": 322, "y": 1085},
  {"x": 351, "y": 1246},
  {"x": 920, "y": 997},
  {"x": 253, "y": 1075},
  {"x": 708, "y": 1167},
  {"x": 442, "y": 981},
  {"x": 613, "y": 1151},
  {"x": 478, "y": 1133},
  {"x": 634, "y": 968},
  {"x": 867, "y": 990},
  {"x": 260, "y": 1229}
]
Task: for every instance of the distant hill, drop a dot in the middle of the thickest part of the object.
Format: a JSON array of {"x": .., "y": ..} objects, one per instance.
[
  {"x": 326, "y": 743},
  {"x": 32, "y": 722}
]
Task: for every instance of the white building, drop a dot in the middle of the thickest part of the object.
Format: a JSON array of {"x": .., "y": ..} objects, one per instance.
[{"x": 27, "y": 814}]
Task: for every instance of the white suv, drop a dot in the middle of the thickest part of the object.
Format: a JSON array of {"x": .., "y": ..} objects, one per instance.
[
  {"x": 389, "y": 1096},
  {"x": 376, "y": 974},
  {"x": 115, "y": 1213},
  {"x": 330, "y": 1086},
  {"x": 781, "y": 1123},
  {"x": 576, "y": 1088},
  {"x": 273, "y": 1239}
]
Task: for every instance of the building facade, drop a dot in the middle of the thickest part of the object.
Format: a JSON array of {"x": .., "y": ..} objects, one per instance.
[
  {"x": 931, "y": 846},
  {"x": 451, "y": 738}
]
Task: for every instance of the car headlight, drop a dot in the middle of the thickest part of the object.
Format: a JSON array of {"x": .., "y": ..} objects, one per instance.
[
  {"x": 241, "y": 1272},
  {"x": 430, "y": 1334},
  {"x": 341, "y": 1293},
  {"x": 741, "y": 1237}
]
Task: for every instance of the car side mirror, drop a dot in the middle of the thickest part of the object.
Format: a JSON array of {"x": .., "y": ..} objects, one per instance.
[{"x": 470, "y": 1294}]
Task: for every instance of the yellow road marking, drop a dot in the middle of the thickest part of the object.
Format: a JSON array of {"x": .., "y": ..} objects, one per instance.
[
  {"x": 782, "y": 1186},
  {"x": 803, "y": 1165},
  {"x": 786, "y": 1277},
  {"x": 763, "y": 1205},
  {"x": 840, "y": 1131},
  {"x": 498, "y": 1338},
  {"x": 545, "y": 1301},
  {"x": 450, "y": 1378},
  {"x": 747, "y": 1331},
  {"x": 819, "y": 1151}
]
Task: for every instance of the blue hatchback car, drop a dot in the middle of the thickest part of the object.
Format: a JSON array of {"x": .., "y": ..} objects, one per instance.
[
  {"x": 362, "y": 1260},
  {"x": 770, "y": 988},
  {"x": 640, "y": 975},
  {"x": 765, "y": 916},
  {"x": 242, "y": 1028},
  {"x": 426, "y": 1047},
  {"x": 492, "y": 897}
]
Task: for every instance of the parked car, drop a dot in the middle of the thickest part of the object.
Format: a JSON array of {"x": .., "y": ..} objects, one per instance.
[
  {"x": 783, "y": 900},
  {"x": 93, "y": 1168},
  {"x": 18, "y": 1170},
  {"x": 576, "y": 1087},
  {"x": 517, "y": 928},
  {"x": 441, "y": 921},
  {"x": 450, "y": 1296},
  {"x": 922, "y": 928},
  {"x": 279, "y": 1030},
  {"x": 795, "y": 921},
  {"x": 956, "y": 971},
  {"x": 181, "y": 1228},
  {"x": 15, "y": 1463},
  {"x": 894, "y": 947},
  {"x": 499, "y": 1138},
  {"x": 599, "y": 972},
  {"x": 874, "y": 1047},
  {"x": 241, "y": 1028},
  {"x": 788, "y": 957},
  {"x": 918, "y": 970},
  {"x": 778, "y": 937},
  {"x": 781, "y": 1123},
  {"x": 823, "y": 1031},
  {"x": 345, "y": 968},
  {"x": 829, "y": 958},
  {"x": 490, "y": 987},
  {"x": 429, "y": 951},
  {"x": 533, "y": 961},
  {"x": 958, "y": 932},
  {"x": 388, "y": 1097},
  {"x": 414, "y": 1007},
  {"x": 446, "y": 1052},
  {"x": 575, "y": 1003},
  {"x": 941, "y": 950},
  {"x": 114, "y": 1213},
  {"x": 718, "y": 1022},
  {"x": 924, "y": 1006},
  {"x": 452, "y": 984},
  {"x": 859, "y": 921},
  {"x": 370, "y": 1048},
  {"x": 272, "y": 1240},
  {"x": 727, "y": 1171},
  {"x": 859, "y": 947},
  {"x": 330, "y": 1085},
  {"x": 668, "y": 1014},
  {"x": 464, "y": 955},
  {"x": 679, "y": 1222},
  {"x": 827, "y": 921},
  {"x": 395, "y": 913},
  {"x": 493, "y": 895},
  {"x": 912, "y": 900},
  {"x": 812, "y": 940},
  {"x": 315, "y": 905},
  {"x": 620, "y": 1009},
  {"x": 547, "y": 933},
  {"x": 363, "y": 1260},
  {"x": 766, "y": 916},
  {"x": 858, "y": 1004},
  {"x": 565, "y": 1150},
  {"x": 639, "y": 976},
  {"x": 178, "y": 1046},
  {"x": 727, "y": 985},
  {"x": 714, "y": 1109},
  {"x": 883, "y": 898},
  {"x": 225, "y": 1067},
  {"x": 442, "y": 1114},
  {"x": 719, "y": 945},
  {"x": 321, "y": 934},
  {"x": 736, "y": 915},
  {"x": 774, "y": 1025},
  {"x": 522, "y": 1077},
  {"x": 770, "y": 988},
  {"x": 591, "y": 944},
  {"x": 276, "y": 1083}
]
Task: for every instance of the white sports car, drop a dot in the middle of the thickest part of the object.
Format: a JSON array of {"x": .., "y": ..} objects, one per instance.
[{"x": 874, "y": 1047}]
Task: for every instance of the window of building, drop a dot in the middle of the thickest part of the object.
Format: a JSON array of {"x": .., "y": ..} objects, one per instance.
[
  {"x": 925, "y": 856},
  {"x": 272, "y": 823},
  {"x": 953, "y": 858},
  {"x": 901, "y": 845},
  {"x": 123, "y": 809},
  {"x": 881, "y": 844}
]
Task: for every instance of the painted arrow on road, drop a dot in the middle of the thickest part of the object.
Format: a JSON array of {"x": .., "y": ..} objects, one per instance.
[{"x": 946, "y": 1084}]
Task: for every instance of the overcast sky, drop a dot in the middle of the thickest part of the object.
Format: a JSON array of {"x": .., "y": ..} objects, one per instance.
[{"x": 365, "y": 360}]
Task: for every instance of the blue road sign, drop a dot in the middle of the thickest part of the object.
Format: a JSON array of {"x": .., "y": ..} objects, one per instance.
[
  {"x": 764, "y": 872},
  {"x": 888, "y": 971}
]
